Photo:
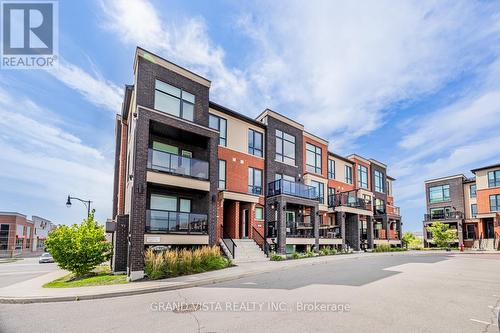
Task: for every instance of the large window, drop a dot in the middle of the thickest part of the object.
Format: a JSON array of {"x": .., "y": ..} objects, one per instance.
[
  {"x": 473, "y": 210},
  {"x": 348, "y": 174},
  {"x": 331, "y": 169},
  {"x": 174, "y": 101},
  {"x": 222, "y": 175},
  {"x": 363, "y": 176},
  {"x": 219, "y": 124},
  {"x": 379, "y": 181},
  {"x": 380, "y": 206},
  {"x": 313, "y": 158},
  {"x": 320, "y": 190},
  {"x": 285, "y": 147},
  {"x": 494, "y": 178},
  {"x": 439, "y": 193},
  {"x": 255, "y": 143},
  {"x": 254, "y": 181},
  {"x": 495, "y": 203},
  {"x": 473, "y": 191},
  {"x": 163, "y": 202}
]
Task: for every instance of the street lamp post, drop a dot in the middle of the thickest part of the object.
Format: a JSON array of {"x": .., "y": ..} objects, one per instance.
[{"x": 85, "y": 202}]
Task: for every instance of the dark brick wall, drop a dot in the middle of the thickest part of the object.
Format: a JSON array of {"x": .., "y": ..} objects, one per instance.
[
  {"x": 120, "y": 244},
  {"x": 148, "y": 72},
  {"x": 353, "y": 231},
  {"x": 456, "y": 194}
]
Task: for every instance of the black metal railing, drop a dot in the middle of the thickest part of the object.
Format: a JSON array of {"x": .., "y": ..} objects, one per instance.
[
  {"x": 228, "y": 241},
  {"x": 444, "y": 216},
  {"x": 176, "y": 164},
  {"x": 257, "y": 190},
  {"x": 348, "y": 199},
  {"x": 329, "y": 231},
  {"x": 302, "y": 230},
  {"x": 283, "y": 186},
  {"x": 258, "y": 238},
  {"x": 164, "y": 221}
]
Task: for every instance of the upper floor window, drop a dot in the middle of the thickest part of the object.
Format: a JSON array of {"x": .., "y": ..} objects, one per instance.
[
  {"x": 388, "y": 187},
  {"x": 348, "y": 174},
  {"x": 473, "y": 191},
  {"x": 222, "y": 175},
  {"x": 495, "y": 203},
  {"x": 254, "y": 181},
  {"x": 255, "y": 143},
  {"x": 219, "y": 124},
  {"x": 285, "y": 147},
  {"x": 439, "y": 193},
  {"x": 494, "y": 178},
  {"x": 379, "y": 205},
  {"x": 363, "y": 176},
  {"x": 320, "y": 190},
  {"x": 379, "y": 181},
  {"x": 174, "y": 101},
  {"x": 313, "y": 158},
  {"x": 473, "y": 210},
  {"x": 331, "y": 169}
]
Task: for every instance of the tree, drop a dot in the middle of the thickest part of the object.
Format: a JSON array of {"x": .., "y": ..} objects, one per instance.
[
  {"x": 79, "y": 248},
  {"x": 442, "y": 234},
  {"x": 409, "y": 239}
]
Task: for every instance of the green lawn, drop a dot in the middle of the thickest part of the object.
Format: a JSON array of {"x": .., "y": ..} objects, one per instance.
[{"x": 100, "y": 277}]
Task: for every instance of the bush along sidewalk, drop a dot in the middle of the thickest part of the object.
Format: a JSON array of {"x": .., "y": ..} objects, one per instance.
[
  {"x": 172, "y": 263},
  {"x": 324, "y": 251},
  {"x": 387, "y": 248}
]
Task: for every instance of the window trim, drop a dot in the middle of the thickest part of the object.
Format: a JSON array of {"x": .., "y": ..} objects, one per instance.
[
  {"x": 496, "y": 198},
  {"x": 445, "y": 199},
  {"x": 331, "y": 169},
  {"x": 222, "y": 139},
  {"x": 181, "y": 100},
  {"x": 321, "y": 190},
  {"x": 283, "y": 156},
  {"x": 472, "y": 211},
  {"x": 471, "y": 194},
  {"x": 348, "y": 180},
  {"x": 252, "y": 188},
  {"x": 225, "y": 175},
  {"x": 262, "y": 210},
  {"x": 252, "y": 150},
  {"x": 360, "y": 182},
  {"x": 378, "y": 176},
  {"x": 495, "y": 182}
]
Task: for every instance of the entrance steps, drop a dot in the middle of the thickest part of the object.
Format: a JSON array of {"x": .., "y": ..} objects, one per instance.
[
  {"x": 486, "y": 244},
  {"x": 248, "y": 251}
]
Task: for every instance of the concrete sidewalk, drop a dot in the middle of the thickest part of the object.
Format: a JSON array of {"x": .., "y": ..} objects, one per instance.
[{"x": 31, "y": 291}]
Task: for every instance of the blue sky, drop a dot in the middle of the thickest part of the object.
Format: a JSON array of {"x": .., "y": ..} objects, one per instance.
[{"x": 415, "y": 84}]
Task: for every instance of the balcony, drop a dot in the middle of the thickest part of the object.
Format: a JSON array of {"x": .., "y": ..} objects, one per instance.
[
  {"x": 301, "y": 230},
  {"x": 329, "y": 231},
  {"x": 170, "y": 222},
  {"x": 444, "y": 216},
  {"x": 177, "y": 165},
  {"x": 348, "y": 199},
  {"x": 393, "y": 210},
  {"x": 295, "y": 189},
  {"x": 255, "y": 190}
]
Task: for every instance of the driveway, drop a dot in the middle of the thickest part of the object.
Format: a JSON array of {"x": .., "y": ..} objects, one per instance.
[
  {"x": 24, "y": 269},
  {"x": 406, "y": 293}
]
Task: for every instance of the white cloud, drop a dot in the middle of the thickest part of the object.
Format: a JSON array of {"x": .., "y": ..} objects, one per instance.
[
  {"x": 181, "y": 40},
  {"x": 42, "y": 162},
  {"x": 95, "y": 88}
]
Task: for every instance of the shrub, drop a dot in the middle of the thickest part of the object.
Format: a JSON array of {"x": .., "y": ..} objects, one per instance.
[
  {"x": 171, "y": 263},
  {"x": 275, "y": 257},
  {"x": 324, "y": 251},
  {"x": 295, "y": 255},
  {"x": 79, "y": 248},
  {"x": 332, "y": 251},
  {"x": 382, "y": 248},
  {"x": 309, "y": 254}
]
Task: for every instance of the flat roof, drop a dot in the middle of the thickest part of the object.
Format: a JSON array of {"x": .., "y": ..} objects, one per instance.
[
  {"x": 13, "y": 214},
  {"x": 345, "y": 159},
  {"x": 486, "y": 167},
  {"x": 444, "y": 178},
  {"x": 277, "y": 115},
  {"x": 235, "y": 114}
]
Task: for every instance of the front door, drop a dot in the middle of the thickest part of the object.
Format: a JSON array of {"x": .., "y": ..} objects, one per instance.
[
  {"x": 488, "y": 228},
  {"x": 244, "y": 223}
]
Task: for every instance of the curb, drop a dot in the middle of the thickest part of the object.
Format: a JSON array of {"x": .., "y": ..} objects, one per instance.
[{"x": 201, "y": 282}]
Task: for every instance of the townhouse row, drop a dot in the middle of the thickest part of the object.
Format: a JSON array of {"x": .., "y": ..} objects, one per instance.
[
  {"x": 191, "y": 172},
  {"x": 471, "y": 206},
  {"x": 21, "y": 236}
]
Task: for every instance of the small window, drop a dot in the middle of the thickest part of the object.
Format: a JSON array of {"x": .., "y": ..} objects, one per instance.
[
  {"x": 219, "y": 124},
  {"x": 254, "y": 181},
  {"x": 259, "y": 213},
  {"x": 473, "y": 210},
  {"x": 255, "y": 143},
  {"x": 331, "y": 169},
  {"x": 348, "y": 174},
  {"x": 222, "y": 175},
  {"x": 473, "y": 191}
]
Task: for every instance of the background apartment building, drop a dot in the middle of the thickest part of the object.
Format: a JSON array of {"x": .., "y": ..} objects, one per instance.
[
  {"x": 20, "y": 236},
  {"x": 469, "y": 205},
  {"x": 190, "y": 172}
]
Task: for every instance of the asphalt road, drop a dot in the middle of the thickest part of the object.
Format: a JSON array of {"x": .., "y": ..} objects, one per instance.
[
  {"x": 24, "y": 269},
  {"x": 410, "y": 293}
]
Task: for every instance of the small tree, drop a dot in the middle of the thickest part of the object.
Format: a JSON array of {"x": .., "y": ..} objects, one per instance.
[
  {"x": 79, "y": 248},
  {"x": 408, "y": 239},
  {"x": 442, "y": 234}
]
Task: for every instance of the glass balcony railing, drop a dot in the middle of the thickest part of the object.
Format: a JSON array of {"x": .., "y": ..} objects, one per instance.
[
  {"x": 283, "y": 186},
  {"x": 170, "y": 222},
  {"x": 444, "y": 215},
  {"x": 348, "y": 199},
  {"x": 178, "y": 165}
]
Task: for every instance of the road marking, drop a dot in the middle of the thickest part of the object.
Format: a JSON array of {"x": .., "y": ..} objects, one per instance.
[
  {"x": 252, "y": 283},
  {"x": 483, "y": 322}
]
